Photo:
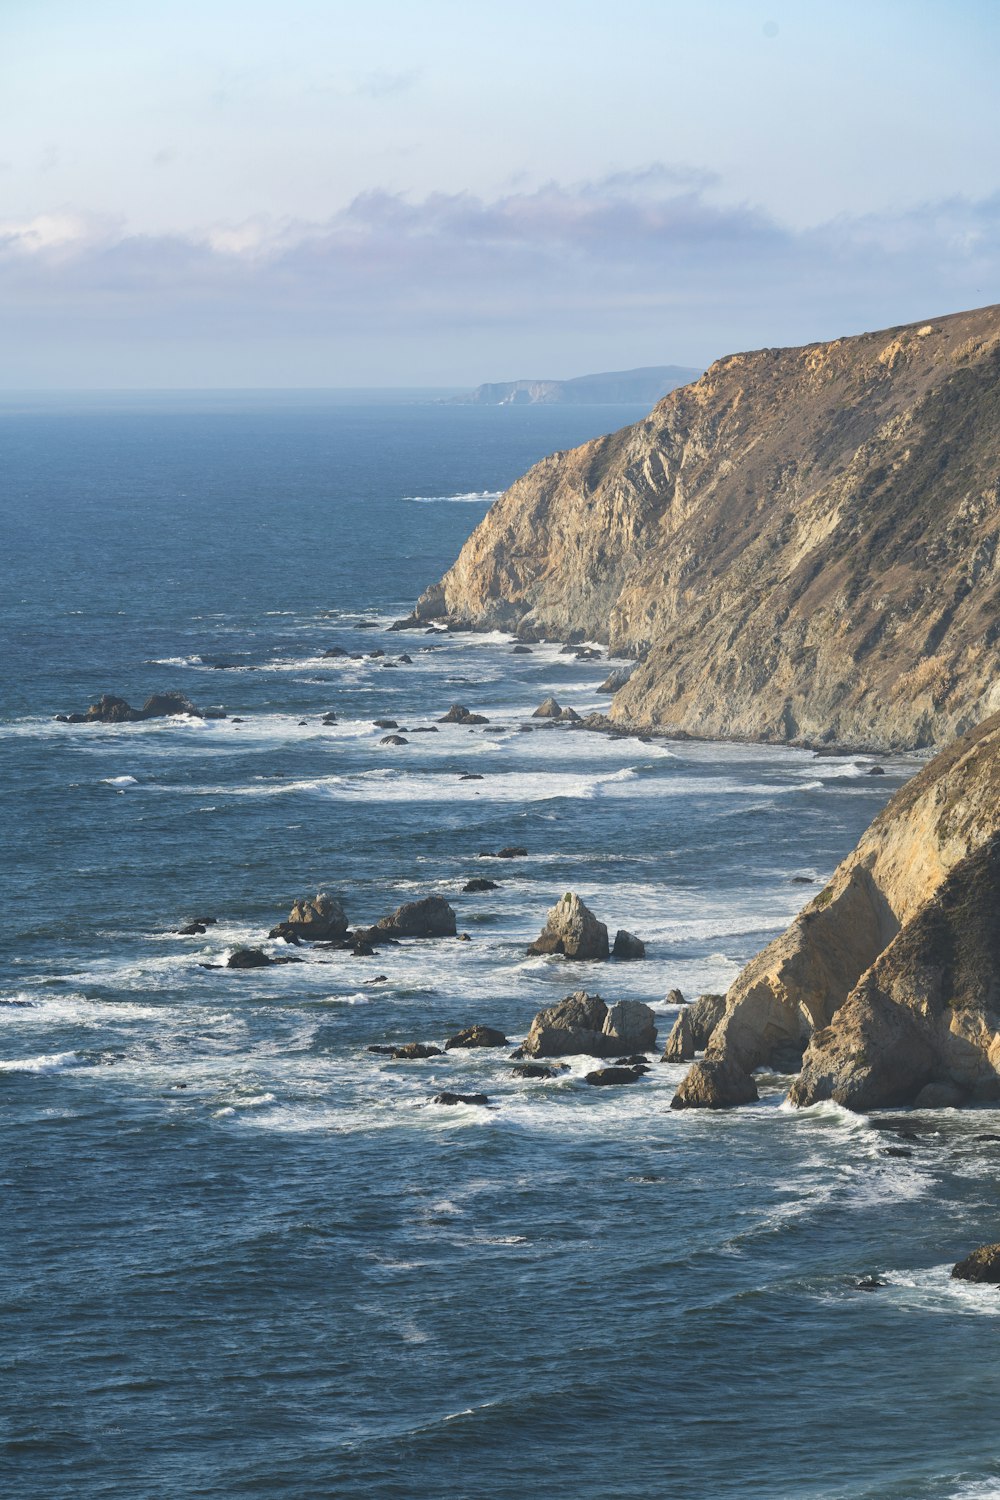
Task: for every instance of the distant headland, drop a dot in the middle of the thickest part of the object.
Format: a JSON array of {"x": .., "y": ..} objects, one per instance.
[{"x": 613, "y": 388}]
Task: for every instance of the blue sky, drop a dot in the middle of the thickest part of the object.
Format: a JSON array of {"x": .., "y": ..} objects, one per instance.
[{"x": 297, "y": 193}]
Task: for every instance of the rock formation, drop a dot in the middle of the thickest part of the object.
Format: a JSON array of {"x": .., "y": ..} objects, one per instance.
[
  {"x": 800, "y": 546},
  {"x": 320, "y": 920},
  {"x": 572, "y": 929},
  {"x": 583, "y": 1023},
  {"x": 889, "y": 979},
  {"x": 430, "y": 918},
  {"x": 693, "y": 1027},
  {"x": 112, "y": 710},
  {"x": 619, "y": 386}
]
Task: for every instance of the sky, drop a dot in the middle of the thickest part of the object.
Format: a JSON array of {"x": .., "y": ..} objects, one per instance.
[{"x": 291, "y": 193}]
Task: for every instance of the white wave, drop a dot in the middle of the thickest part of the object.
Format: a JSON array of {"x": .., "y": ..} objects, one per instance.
[
  {"x": 120, "y": 780},
  {"x": 174, "y": 661},
  {"x": 48, "y": 1062},
  {"x": 463, "y": 497}
]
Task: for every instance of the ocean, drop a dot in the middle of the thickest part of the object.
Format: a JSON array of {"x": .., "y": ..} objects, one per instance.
[{"x": 243, "y": 1254}]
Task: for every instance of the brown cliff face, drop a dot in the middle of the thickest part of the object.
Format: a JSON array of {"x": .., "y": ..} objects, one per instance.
[
  {"x": 890, "y": 977},
  {"x": 802, "y": 545}
]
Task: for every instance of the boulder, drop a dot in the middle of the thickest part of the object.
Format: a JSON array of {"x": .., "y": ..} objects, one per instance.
[
  {"x": 449, "y": 1098},
  {"x": 319, "y": 920},
  {"x": 572, "y": 929},
  {"x": 570, "y": 716},
  {"x": 549, "y": 709},
  {"x": 335, "y": 651},
  {"x": 431, "y": 917},
  {"x": 393, "y": 739},
  {"x": 616, "y": 679},
  {"x": 192, "y": 929},
  {"x": 475, "y": 886},
  {"x": 693, "y": 1027},
  {"x": 512, "y": 851},
  {"x": 714, "y": 1085},
  {"x": 628, "y": 946},
  {"x": 162, "y": 705},
  {"x": 415, "y": 1052},
  {"x": 982, "y": 1265},
  {"x": 575, "y": 1025},
  {"x": 248, "y": 958},
  {"x": 675, "y": 997},
  {"x": 385, "y": 724},
  {"x": 459, "y": 714},
  {"x": 534, "y": 1070},
  {"x": 631, "y": 1025},
  {"x": 521, "y": 651},
  {"x": 613, "y": 1075},
  {"x": 476, "y": 1036}
]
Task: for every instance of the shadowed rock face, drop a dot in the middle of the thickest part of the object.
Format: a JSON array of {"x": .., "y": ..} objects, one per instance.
[
  {"x": 572, "y": 929},
  {"x": 804, "y": 544},
  {"x": 890, "y": 977}
]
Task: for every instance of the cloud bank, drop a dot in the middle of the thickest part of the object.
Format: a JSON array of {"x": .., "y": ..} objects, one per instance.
[{"x": 634, "y": 268}]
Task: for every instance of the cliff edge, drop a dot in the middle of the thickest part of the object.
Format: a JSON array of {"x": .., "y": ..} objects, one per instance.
[
  {"x": 889, "y": 980},
  {"x": 801, "y": 546}
]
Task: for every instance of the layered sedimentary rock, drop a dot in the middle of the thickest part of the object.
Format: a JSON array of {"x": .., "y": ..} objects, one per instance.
[
  {"x": 800, "y": 546},
  {"x": 889, "y": 980}
]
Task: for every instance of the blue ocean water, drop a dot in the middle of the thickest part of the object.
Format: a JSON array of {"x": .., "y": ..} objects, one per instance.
[{"x": 243, "y": 1255}]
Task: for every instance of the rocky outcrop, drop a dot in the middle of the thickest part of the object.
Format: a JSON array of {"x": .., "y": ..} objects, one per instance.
[
  {"x": 693, "y": 1027},
  {"x": 583, "y": 1024},
  {"x": 639, "y": 386},
  {"x": 889, "y": 980},
  {"x": 459, "y": 714},
  {"x": 431, "y": 917},
  {"x": 982, "y": 1265},
  {"x": 476, "y": 1036},
  {"x": 627, "y": 946},
  {"x": 803, "y": 545},
  {"x": 548, "y": 709},
  {"x": 715, "y": 1085},
  {"x": 572, "y": 929},
  {"x": 111, "y": 710},
  {"x": 319, "y": 920}
]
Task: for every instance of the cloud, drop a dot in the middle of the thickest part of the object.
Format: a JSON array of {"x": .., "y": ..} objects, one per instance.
[{"x": 640, "y": 257}]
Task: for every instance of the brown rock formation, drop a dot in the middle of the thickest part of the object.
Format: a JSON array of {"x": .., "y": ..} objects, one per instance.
[
  {"x": 890, "y": 977},
  {"x": 572, "y": 929},
  {"x": 801, "y": 545}
]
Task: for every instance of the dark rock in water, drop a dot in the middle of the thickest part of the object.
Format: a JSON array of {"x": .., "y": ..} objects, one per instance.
[
  {"x": 802, "y": 880},
  {"x": 574, "y": 1025},
  {"x": 635, "y": 1060},
  {"x": 628, "y": 946},
  {"x": 521, "y": 651},
  {"x": 940, "y": 1096},
  {"x": 112, "y": 710},
  {"x": 534, "y": 1070},
  {"x": 470, "y": 776},
  {"x": 415, "y": 1052},
  {"x": 693, "y": 1027},
  {"x": 330, "y": 718},
  {"x": 376, "y": 654},
  {"x": 303, "y": 723},
  {"x": 432, "y": 917},
  {"x": 287, "y": 958},
  {"x": 214, "y": 713},
  {"x": 473, "y": 887},
  {"x": 876, "y": 771},
  {"x": 982, "y": 1265},
  {"x": 588, "y": 653},
  {"x": 191, "y": 930},
  {"x": 375, "y": 979},
  {"x": 366, "y": 625},
  {"x": 162, "y": 705},
  {"x": 393, "y": 739},
  {"x": 612, "y": 1075},
  {"x": 320, "y": 920},
  {"x": 381, "y": 1049},
  {"x": 675, "y": 997},
  {"x": 569, "y": 716},
  {"x": 405, "y": 660},
  {"x": 426, "y": 729},
  {"x": 463, "y": 937},
  {"x": 897, "y": 1150},
  {"x": 206, "y": 921},
  {"x": 385, "y": 723},
  {"x": 459, "y": 714},
  {"x": 572, "y": 929},
  {"x": 715, "y": 1085},
  {"x": 512, "y": 851},
  {"x": 869, "y": 1284},
  {"x": 548, "y": 709},
  {"x": 335, "y": 651},
  {"x": 362, "y": 949},
  {"x": 248, "y": 958},
  {"x": 476, "y": 1036},
  {"x": 448, "y": 1098},
  {"x": 409, "y": 622}
]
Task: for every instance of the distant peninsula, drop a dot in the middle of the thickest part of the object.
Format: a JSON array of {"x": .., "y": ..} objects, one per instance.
[{"x": 613, "y": 388}]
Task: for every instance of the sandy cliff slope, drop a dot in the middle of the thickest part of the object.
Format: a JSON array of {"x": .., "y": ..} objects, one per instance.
[
  {"x": 890, "y": 977},
  {"x": 800, "y": 546}
]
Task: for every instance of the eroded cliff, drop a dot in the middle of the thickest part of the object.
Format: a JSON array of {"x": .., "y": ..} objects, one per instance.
[
  {"x": 800, "y": 546},
  {"x": 890, "y": 978}
]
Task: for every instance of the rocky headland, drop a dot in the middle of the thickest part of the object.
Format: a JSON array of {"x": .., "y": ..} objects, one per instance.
[{"x": 799, "y": 547}]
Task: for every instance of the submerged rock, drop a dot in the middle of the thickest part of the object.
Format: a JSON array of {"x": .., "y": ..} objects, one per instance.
[
  {"x": 477, "y": 885},
  {"x": 604, "y": 1076},
  {"x": 249, "y": 958},
  {"x": 459, "y": 714},
  {"x": 448, "y": 1098},
  {"x": 572, "y": 929},
  {"x": 534, "y": 1070}
]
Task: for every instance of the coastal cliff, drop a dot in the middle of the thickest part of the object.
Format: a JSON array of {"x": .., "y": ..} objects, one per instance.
[
  {"x": 890, "y": 978},
  {"x": 800, "y": 546}
]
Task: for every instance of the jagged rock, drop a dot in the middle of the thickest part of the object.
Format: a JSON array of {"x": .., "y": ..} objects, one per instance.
[
  {"x": 714, "y": 1085},
  {"x": 320, "y": 920},
  {"x": 569, "y": 716},
  {"x": 448, "y": 1098},
  {"x": 675, "y": 997},
  {"x": 473, "y": 887},
  {"x": 675, "y": 555},
  {"x": 616, "y": 678},
  {"x": 459, "y": 714},
  {"x": 549, "y": 709},
  {"x": 572, "y": 929},
  {"x": 574, "y": 1025},
  {"x": 534, "y": 1070},
  {"x": 693, "y": 1027},
  {"x": 631, "y": 1025},
  {"x": 111, "y": 710},
  {"x": 982, "y": 1265},
  {"x": 605, "y": 1076},
  {"x": 415, "y": 1052},
  {"x": 476, "y": 1036},
  {"x": 628, "y": 946},
  {"x": 248, "y": 958},
  {"x": 431, "y": 917}
]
